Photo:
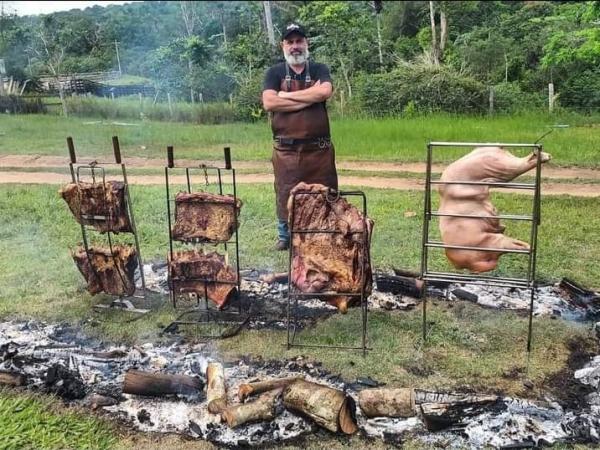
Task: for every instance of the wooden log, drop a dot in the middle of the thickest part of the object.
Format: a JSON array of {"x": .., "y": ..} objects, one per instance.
[
  {"x": 328, "y": 407},
  {"x": 276, "y": 277},
  {"x": 159, "y": 384},
  {"x": 263, "y": 408},
  {"x": 96, "y": 401},
  {"x": 387, "y": 402},
  {"x": 247, "y": 389},
  {"x": 12, "y": 379},
  {"x": 216, "y": 392},
  {"x": 441, "y": 409}
]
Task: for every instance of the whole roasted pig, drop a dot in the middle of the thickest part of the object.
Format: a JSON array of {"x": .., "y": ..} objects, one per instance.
[
  {"x": 489, "y": 164},
  {"x": 329, "y": 262}
]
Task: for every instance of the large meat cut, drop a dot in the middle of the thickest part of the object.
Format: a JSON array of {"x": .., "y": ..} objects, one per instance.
[
  {"x": 489, "y": 164},
  {"x": 101, "y": 205},
  {"x": 204, "y": 216},
  {"x": 337, "y": 261},
  {"x": 106, "y": 271},
  {"x": 189, "y": 268}
]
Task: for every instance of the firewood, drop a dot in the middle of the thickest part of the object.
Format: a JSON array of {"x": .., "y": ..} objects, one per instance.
[
  {"x": 328, "y": 407},
  {"x": 440, "y": 409},
  {"x": 216, "y": 393},
  {"x": 387, "y": 402},
  {"x": 276, "y": 277},
  {"x": 248, "y": 389},
  {"x": 12, "y": 378},
  {"x": 96, "y": 401},
  {"x": 159, "y": 384},
  {"x": 263, "y": 408}
]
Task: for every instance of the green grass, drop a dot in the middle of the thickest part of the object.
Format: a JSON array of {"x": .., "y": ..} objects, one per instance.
[
  {"x": 128, "y": 80},
  {"x": 36, "y": 422},
  {"x": 468, "y": 347},
  {"x": 402, "y": 140}
]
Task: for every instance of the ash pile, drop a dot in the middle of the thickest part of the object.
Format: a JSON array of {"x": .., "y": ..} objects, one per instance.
[{"x": 183, "y": 388}]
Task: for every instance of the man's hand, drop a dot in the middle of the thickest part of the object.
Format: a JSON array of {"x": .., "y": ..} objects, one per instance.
[
  {"x": 273, "y": 102},
  {"x": 317, "y": 93}
]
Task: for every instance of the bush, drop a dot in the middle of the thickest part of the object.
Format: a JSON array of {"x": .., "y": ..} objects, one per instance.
[
  {"x": 582, "y": 91},
  {"x": 19, "y": 105},
  {"x": 430, "y": 89},
  {"x": 248, "y": 98},
  {"x": 509, "y": 98}
]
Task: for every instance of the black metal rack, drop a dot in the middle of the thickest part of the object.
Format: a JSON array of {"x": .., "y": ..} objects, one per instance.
[
  {"x": 526, "y": 282},
  {"x": 294, "y": 295},
  {"x": 203, "y": 313},
  {"x": 95, "y": 170}
]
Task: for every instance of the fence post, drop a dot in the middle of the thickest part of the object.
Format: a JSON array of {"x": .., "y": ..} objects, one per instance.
[
  {"x": 200, "y": 97},
  {"x": 491, "y": 110},
  {"x": 170, "y": 107},
  {"x": 550, "y": 97},
  {"x": 192, "y": 95},
  {"x": 112, "y": 95},
  {"x": 342, "y": 102}
]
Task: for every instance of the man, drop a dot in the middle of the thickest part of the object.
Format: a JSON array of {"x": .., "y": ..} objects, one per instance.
[{"x": 295, "y": 92}]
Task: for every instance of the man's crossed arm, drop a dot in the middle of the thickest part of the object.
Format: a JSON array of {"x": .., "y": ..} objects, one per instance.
[{"x": 294, "y": 101}]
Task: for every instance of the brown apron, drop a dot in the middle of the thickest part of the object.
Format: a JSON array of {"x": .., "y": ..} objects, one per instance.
[{"x": 310, "y": 162}]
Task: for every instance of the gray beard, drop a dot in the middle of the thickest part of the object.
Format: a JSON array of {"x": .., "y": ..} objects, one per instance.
[{"x": 296, "y": 60}]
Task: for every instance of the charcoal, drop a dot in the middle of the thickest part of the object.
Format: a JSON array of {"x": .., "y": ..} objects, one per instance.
[{"x": 65, "y": 383}]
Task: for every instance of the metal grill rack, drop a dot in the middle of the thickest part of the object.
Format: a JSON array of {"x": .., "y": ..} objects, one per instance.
[
  {"x": 203, "y": 313},
  {"x": 294, "y": 295},
  {"x": 96, "y": 171},
  {"x": 526, "y": 282}
]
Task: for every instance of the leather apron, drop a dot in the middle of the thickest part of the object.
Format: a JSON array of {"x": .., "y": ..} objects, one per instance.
[{"x": 310, "y": 161}]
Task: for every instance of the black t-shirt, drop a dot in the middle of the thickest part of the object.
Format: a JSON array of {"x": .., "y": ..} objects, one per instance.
[{"x": 277, "y": 73}]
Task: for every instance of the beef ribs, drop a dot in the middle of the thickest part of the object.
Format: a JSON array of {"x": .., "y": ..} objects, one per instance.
[
  {"x": 101, "y": 205},
  {"x": 329, "y": 262},
  {"x": 189, "y": 268},
  {"x": 108, "y": 272},
  {"x": 205, "y": 217}
]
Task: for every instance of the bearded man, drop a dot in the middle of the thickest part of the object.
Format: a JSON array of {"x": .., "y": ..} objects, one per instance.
[{"x": 295, "y": 92}]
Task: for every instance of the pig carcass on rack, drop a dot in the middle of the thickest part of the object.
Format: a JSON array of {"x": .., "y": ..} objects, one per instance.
[
  {"x": 489, "y": 164},
  {"x": 329, "y": 262}
]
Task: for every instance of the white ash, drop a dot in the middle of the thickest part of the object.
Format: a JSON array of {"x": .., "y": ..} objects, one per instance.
[
  {"x": 548, "y": 300},
  {"x": 389, "y": 301}
]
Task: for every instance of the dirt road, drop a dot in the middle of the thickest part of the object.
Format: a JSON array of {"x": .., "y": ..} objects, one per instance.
[{"x": 20, "y": 162}]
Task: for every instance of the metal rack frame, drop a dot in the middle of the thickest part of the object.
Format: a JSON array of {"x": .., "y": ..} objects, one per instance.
[
  {"x": 294, "y": 295},
  {"x": 529, "y": 281},
  {"x": 210, "y": 315},
  {"x": 96, "y": 168}
]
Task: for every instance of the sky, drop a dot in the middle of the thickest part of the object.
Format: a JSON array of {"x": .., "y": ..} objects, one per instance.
[{"x": 46, "y": 7}]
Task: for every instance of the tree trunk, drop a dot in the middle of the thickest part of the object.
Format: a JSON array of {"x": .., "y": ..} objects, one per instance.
[
  {"x": 216, "y": 393},
  {"x": 379, "y": 44},
  {"x": 263, "y": 408},
  {"x": 159, "y": 384},
  {"x": 434, "y": 44},
  {"x": 346, "y": 77},
  {"x": 387, "y": 402},
  {"x": 269, "y": 23},
  {"x": 328, "y": 407},
  {"x": 248, "y": 389},
  {"x": 443, "y": 33}
]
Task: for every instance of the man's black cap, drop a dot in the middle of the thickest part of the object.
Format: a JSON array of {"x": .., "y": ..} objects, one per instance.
[{"x": 293, "y": 28}]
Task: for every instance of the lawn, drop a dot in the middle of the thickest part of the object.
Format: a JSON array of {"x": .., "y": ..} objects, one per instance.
[
  {"x": 469, "y": 347},
  {"x": 389, "y": 139}
]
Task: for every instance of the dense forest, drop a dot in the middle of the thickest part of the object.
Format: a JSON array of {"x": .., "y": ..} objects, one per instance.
[{"x": 385, "y": 56}]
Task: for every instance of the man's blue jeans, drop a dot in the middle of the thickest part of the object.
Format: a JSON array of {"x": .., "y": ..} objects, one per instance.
[{"x": 283, "y": 232}]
